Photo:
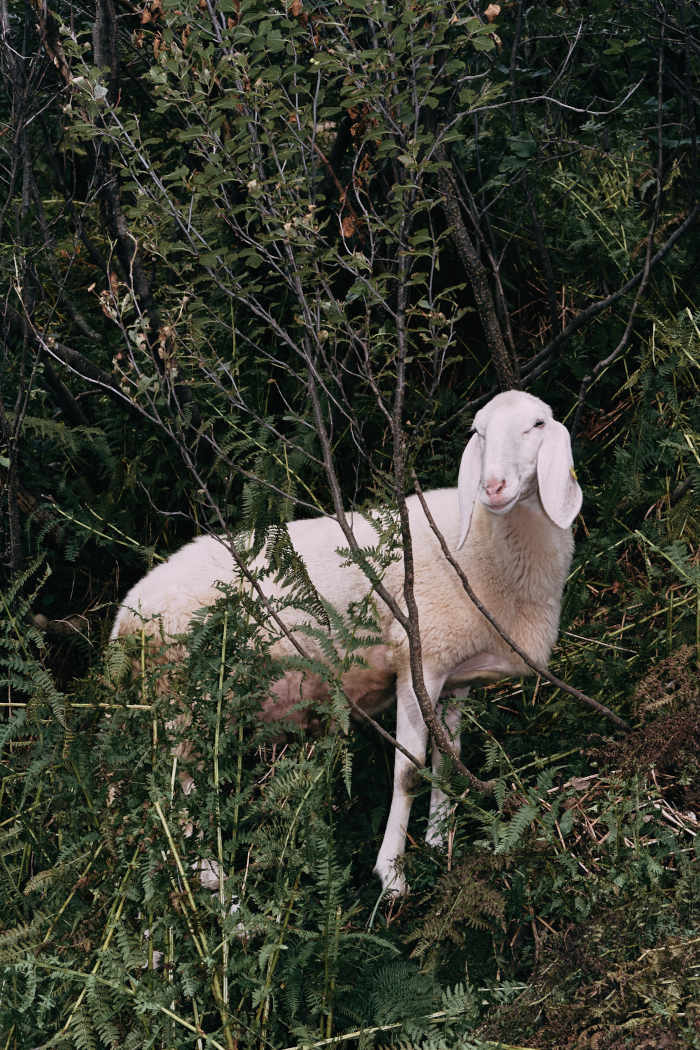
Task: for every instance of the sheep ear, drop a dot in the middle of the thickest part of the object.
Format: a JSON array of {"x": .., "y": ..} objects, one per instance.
[
  {"x": 468, "y": 486},
  {"x": 559, "y": 490}
]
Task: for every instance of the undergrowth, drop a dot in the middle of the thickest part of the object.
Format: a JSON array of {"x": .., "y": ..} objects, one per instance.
[{"x": 563, "y": 911}]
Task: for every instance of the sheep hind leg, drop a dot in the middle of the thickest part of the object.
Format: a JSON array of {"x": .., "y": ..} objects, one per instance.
[{"x": 449, "y": 714}]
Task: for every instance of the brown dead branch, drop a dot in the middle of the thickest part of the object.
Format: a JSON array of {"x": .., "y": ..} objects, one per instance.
[{"x": 506, "y": 367}]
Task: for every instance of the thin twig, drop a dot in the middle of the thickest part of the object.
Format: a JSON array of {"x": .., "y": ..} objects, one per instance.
[
  {"x": 592, "y": 311},
  {"x": 588, "y": 380}
]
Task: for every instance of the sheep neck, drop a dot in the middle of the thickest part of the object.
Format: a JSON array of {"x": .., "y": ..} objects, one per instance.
[{"x": 524, "y": 548}]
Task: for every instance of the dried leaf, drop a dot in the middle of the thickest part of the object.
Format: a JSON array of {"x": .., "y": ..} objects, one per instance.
[{"x": 151, "y": 11}]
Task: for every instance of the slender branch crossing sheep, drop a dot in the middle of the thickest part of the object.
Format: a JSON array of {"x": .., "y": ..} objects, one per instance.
[{"x": 508, "y": 524}]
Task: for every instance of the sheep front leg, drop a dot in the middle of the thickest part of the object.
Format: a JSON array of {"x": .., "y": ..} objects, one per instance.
[
  {"x": 412, "y": 733},
  {"x": 449, "y": 713}
]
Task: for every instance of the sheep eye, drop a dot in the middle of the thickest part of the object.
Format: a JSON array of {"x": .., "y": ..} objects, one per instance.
[{"x": 539, "y": 423}]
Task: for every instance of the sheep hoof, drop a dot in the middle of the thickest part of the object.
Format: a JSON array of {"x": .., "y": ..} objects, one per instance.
[
  {"x": 436, "y": 838},
  {"x": 393, "y": 882}
]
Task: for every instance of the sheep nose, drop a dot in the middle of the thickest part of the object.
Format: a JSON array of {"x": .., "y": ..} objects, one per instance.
[{"x": 493, "y": 487}]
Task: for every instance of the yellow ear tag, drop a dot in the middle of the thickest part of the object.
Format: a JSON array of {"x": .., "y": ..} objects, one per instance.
[{"x": 573, "y": 473}]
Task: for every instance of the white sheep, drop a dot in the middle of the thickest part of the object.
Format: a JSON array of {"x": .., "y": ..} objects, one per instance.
[{"x": 507, "y": 524}]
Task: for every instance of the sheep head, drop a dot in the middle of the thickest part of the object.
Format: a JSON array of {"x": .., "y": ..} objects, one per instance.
[{"x": 518, "y": 449}]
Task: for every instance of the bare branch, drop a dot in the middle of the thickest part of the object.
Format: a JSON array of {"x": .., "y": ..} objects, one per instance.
[
  {"x": 506, "y": 638},
  {"x": 269, "y": 608},
  {"x": 410, "y": 622}
]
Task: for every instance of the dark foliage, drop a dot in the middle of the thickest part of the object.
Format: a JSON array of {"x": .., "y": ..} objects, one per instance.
[{"x": 257, "y": 260}]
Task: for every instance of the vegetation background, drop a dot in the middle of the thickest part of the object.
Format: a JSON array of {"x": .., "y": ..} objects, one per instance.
[{"x": 260, "y": 261}]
